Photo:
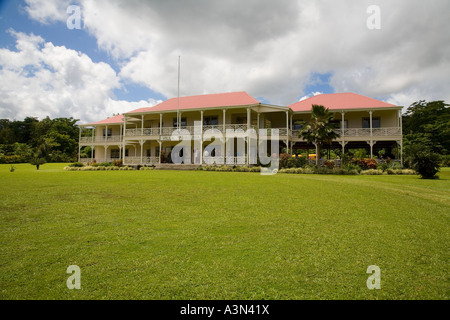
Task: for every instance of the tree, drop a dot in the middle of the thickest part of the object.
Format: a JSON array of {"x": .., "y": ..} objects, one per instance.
[
  {"x": 430, "y": 120},
  {"x": 422, "y": 159},
  {"x": 319, "y": 129},
  {"x": 40, "y": 153}
]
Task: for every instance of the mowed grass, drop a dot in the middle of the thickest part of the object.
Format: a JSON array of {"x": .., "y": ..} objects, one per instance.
[{"x": 218, "y": 235}]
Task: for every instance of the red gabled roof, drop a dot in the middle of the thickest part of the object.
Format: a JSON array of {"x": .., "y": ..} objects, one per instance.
[
  {"x": 202, "y": 101},
  {"x": 340, "y": 101},
  {"x": 112, "y": 120}
]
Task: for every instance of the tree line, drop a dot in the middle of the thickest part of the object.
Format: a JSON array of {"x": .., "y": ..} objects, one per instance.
[{"x": 31, "y": 140}]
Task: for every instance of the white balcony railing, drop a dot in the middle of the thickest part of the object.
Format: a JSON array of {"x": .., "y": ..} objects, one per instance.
[
  {"x": 168, "y": 131},
  {"x": 115, "y": 138},
  {"x": 365, "y": 132}
]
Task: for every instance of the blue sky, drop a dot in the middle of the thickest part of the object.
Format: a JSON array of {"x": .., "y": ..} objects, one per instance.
[
  {"x": 14, "y": 16},
  {"x": 126, "y": 54}
]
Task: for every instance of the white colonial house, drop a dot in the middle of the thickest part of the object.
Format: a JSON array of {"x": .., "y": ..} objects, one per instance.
[{"x": 147, "y": 136}]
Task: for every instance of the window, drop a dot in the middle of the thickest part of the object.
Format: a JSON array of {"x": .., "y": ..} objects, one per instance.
[
  {"x": 115, "y": 153},
  {"x": 182, "y": 123},
  {"x": 211, "y": 121},
  {"x": 107, "y": 134},
  {"x": 297, "y": 125},
  {"x": 157, "y": 152},
  {"x": 149, "y": 153},
  {"x": 241, "y": 120},
  {"x": 375, "y": 123},
  {"x": 126, "y": 152},
  {"x": 338, "y": 124}
]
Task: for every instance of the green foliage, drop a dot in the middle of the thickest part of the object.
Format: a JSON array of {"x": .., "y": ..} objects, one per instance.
[
  {"x": 319, "y": 129},
  {"x": 360, "y": 154},
  {"x": 445, "y": 160},
  {"x": 351, "y": 167},
  {"x": 423, "y": 160},
  {"x": 12, "y": 168},
  {"x": 22, "y": 138},
  {"x": 329, "y": 164},
  {"x": 76, "y": 164},
  {"x": 37, "y": 161},
  {"x": 365, "y": 164},
  {"x": 296, "y": 162},
  {"x": 383, "y": 166},
  {"x": 117, "y": 163},
  {"x": 103, "y": 164},
  {"x": 102, "y": 168},
  {"x": 428, "y": 123},
  {"x": 284, "y": 158}
]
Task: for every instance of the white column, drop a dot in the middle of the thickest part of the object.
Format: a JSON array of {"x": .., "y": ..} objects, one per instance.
[
  {"x": 223, "y": 124},
  {"x": 92, "y": 145},
  {"x": 142, "y": 125},
  {"x": 248, "y": 135},
  {"x": 160, "y": 126},
  {"x": 371, "y": 141},
  {"x": 160, "y": 150},
  {"x": 106, "y": 151},
  {"x": 141, "y": 142},
  {"x": 287, "y": 131},
  {"x": 79, "y": 145},
  {"x": 291, "y": 121},
  {"x": 124, "y": 135},
  {"x": 401, "y": 137},
  {"x": 106, "y": 133},
  {"x": 342, "y": 132},
  {"x": 201, "y": 137}
]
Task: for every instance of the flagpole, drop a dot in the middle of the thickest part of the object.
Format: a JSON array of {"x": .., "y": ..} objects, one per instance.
[{"x": 178, "y": 99}]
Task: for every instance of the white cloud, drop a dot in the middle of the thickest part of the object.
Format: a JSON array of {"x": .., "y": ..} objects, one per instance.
[
  {"x": 47, "y": 11},
  {"x": 40, "y": 79},
  {"x": 310, "y": 95},
  {"x": 271, "y": 48}
]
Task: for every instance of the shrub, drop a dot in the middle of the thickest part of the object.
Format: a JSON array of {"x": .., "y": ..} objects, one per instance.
[
  {"x": 372, "y": 172},
  {"x": 351, "y": 167},
  {"x": 365, "y": 164},
  {"x": 445, "y": 160},
  {"x": 295, "y": 162},
  {"x": 76, "y": 164},
  {"x": 407, "y": 171},
  {"x": 13, "y": 159},
  {"x": 383, "y": 166},
  {"x": 284, "y": 159},
  {"x": 117, "y": 163},
  {"x": 102, "y": 164},
  {"x": 423, "y": 161},
  {"x": 329, "y": 164}
]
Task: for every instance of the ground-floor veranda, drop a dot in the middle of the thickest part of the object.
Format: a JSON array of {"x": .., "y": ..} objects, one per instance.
[{"x": 149, "y": 152}]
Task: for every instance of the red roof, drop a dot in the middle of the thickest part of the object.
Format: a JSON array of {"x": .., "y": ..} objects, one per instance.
[
  {"x": 203, "y": 101},
  {"x": 340, "y": 101},
  {"x": 112, "y": 120}
]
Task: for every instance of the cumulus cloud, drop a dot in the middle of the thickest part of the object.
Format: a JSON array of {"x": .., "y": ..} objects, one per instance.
[
  {"x": 271, "y": 49},
  {"x": 40, "y": 79}
]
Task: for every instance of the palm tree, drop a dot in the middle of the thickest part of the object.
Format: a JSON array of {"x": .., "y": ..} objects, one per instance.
[
  {"x": 40, "y": 154},
  {"x": 319, "y": 129}
]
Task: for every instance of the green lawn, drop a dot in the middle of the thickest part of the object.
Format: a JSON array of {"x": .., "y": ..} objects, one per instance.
[{"x": 217, "y": 235}]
